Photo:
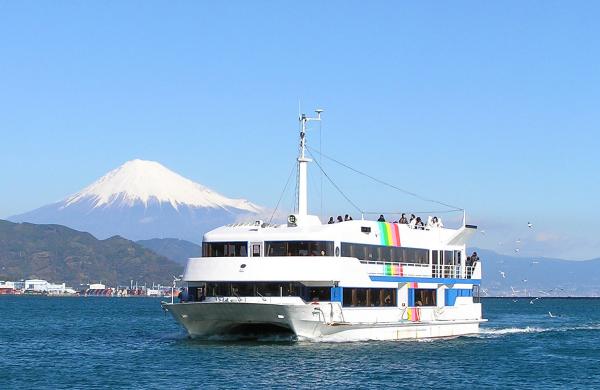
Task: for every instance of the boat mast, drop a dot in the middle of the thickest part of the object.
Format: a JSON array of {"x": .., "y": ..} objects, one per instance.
[{"x": 303, "y": 164}]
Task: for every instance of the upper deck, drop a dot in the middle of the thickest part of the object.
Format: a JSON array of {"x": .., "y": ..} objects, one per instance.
[
  {"x": 375, "y": 251},
  {"x": 310, "y": 228}
]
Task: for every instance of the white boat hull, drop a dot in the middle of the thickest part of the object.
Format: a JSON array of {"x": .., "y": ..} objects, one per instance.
[{"x": 320, "y": 322}]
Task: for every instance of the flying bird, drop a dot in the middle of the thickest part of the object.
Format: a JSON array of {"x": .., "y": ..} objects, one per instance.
[
  {"x": 503, "y": 274},
  {"x": 529, "y": 225},
  {"x": 533, "y": 300},
  {"x": 517, "y": 250}
]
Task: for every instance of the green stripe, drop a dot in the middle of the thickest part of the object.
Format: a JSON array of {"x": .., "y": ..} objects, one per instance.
[{"x": 385, "y": 238}]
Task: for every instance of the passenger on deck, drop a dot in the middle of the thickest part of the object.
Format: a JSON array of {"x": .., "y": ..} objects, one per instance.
[
  {"x": 347, "y": 218},
  {"x": 430, "y": 222},
  {"x": 413, "y": 222},
  {"x": 340, "y": 219},
  {"x": 403, "y": 219},
  {"x": 437, "y": 222},
  {"x": 419, "y": 224},
  {"x": 331, "y": 221},
  {"x": 474, "y": 258},
  {"x": 381, "y": 219}
]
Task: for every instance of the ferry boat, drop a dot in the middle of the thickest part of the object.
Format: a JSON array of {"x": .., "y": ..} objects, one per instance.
[{"x": 347, "y": 281}]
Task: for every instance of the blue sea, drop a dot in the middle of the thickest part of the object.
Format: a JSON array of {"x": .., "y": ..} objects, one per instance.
[{"x": 89, "y": 343}]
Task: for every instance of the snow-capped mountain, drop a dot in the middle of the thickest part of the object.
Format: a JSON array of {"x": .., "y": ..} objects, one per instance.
[{"x": 142, "y": 200}]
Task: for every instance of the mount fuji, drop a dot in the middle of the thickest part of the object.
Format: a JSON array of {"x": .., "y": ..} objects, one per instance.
[{"x": 143, "y": 200}]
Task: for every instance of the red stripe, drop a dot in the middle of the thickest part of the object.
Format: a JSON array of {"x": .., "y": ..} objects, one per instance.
[{"x": 396, "y": 235}]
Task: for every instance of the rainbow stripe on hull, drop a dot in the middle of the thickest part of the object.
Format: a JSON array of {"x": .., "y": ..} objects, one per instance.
[{"x": 389, "y": 234}]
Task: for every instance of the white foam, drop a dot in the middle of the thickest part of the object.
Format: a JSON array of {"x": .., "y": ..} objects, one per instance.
[{"x": 490, "y": 332}]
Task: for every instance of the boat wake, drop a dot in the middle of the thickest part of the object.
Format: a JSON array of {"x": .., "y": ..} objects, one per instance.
[{"x": 493, "y": 333}]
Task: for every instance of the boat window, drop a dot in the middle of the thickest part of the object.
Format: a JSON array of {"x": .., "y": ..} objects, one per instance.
[
  {"x": 268, "y": 289},
  {"x": 299, "y": 248},
  {"x": 255, "y": 250},
  {"x": 385, "y": 253},
  {"x": 448, "y": 258},
  {"x": 434, "y": 257},
  {"x": 254, "y": 289},
  {"x": 425, "y": 297},
  {"x": 320, "y": 294},
  {"x": 224, "y": 249},
  {"x": 369, "y": 297}
]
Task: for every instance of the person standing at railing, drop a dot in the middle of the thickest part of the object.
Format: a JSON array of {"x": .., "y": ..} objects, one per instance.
[
  {"x": 474, "y": 259},
  {"x": 419, "y": 224},
  {"x": 469, "y": 264},
  {"x": 403, "y": 219}
]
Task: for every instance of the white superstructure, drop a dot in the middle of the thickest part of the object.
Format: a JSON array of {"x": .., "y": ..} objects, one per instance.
[{"x": 352, "y": 280}]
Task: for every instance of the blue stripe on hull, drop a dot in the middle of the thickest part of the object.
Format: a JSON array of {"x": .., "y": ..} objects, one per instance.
[{"x": 404, "y": 279}]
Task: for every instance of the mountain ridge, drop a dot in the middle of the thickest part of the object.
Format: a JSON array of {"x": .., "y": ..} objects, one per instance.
[
  {"x": 57, "y": 253},
  {"x": 143, "y": 200}
]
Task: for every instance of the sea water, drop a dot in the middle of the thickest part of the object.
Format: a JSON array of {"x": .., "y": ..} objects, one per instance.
[{"x": 101, "y": 342}]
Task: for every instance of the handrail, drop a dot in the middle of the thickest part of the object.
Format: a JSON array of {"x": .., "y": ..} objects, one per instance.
[
  {"x": 394, "y": 263},
  {"x": 417, "y": 269}
]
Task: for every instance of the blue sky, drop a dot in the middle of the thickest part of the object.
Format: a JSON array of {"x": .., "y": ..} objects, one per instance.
[{"x": 489, "y": 106}]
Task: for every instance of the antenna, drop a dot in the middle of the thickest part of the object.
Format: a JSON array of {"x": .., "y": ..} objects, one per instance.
[{"x": 302, "y": 163}]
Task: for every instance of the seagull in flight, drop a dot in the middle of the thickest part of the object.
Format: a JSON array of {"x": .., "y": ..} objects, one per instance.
[
  {"x": 533, "y": 300},
  {"x": 517, "y": 250},
  {"x": 529, "y": 225},
  {"x": 503, "y": 274}
]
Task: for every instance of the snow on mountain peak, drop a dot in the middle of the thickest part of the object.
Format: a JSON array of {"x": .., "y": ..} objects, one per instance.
[{"x": 141, "y": 181}]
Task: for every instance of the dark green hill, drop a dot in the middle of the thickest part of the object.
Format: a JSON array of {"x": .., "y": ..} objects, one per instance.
[
  {"x": 177, "y": 250},
  {"x": 57, "y": 253}
]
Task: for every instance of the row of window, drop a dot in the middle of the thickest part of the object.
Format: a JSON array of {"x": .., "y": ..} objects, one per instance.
[
  {"x": 326, "y": 248},
  {"x": 422, "y": 297},
  {"x": 298, "y": 248},
  {"x": 351, "y": 297},
  {"x": 369, "y": 297},
  {"x": 225, "y": 249},
  {"x": 385, "y": 253},
  {"x": 445, "y": 257},
  {"x": 265, "y": 289}
]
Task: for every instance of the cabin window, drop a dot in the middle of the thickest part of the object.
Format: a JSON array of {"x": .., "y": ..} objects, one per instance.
[
  {"x": 253, "y": 289},
  {"x": 298, "y": 248},
  {"x": 320, "y": 294},
  {"x": 224, "y": 249},
  {"x": 385, "y": 253},
  {"x": 369, "y": 297},
  {"x": 422, "y": 297},
  {"x": 268, "y": 289}
]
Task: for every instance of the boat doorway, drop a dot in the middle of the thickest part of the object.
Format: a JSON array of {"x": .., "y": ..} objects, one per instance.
[{"x": 256, "y": 249}]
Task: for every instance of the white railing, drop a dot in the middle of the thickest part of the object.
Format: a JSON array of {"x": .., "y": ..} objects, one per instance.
[{"x": 384, "y": 268}]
